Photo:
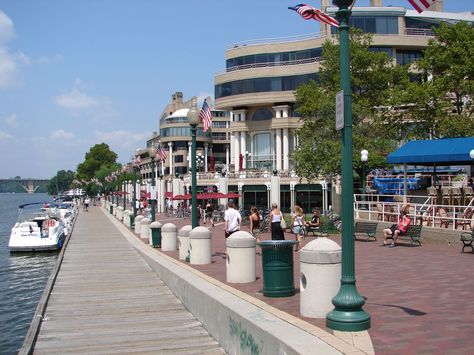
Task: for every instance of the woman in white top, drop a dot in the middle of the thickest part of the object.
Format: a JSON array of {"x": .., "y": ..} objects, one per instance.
[
  {"x": 297, "y": 223},
  {"x": 275, "y": 217}
]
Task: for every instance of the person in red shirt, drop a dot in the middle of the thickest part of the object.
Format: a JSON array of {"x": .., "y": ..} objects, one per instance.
[{"x": 397, "y": 229}]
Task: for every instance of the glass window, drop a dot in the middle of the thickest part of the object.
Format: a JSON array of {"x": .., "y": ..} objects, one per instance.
[
  {"x": 178, "y": 159},
  {"x": 261, "y": 58},
  {"x": 249, "y": 59},
  {"x": 262, "y": 115},
  {"x": 392, "y": 25},
  {"x": 301, "y": 55},
  {"x": 275, "y": 84},
  {"x": 369, "y": 25},
  {"x": 261, "y": 85}
]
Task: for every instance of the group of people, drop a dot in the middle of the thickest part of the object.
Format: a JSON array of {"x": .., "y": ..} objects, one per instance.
[{"x": 233, "y": 222}]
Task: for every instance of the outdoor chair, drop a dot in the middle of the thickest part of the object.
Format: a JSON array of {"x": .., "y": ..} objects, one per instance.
[
  {"x": 468, "y": 194},
  {"x": 456, "y": 195},
  {"x": 424, "y": 215},
  {"x": 444, "y": 220},
  {"x": 465, "y": 220},
  {"x": 445, "y": 195},
  {"x": 433, "y": 193}
]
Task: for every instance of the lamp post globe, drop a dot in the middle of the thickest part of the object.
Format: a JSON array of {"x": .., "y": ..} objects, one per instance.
[
  {"x": 471, "y": 154},
  {"x": 152, "y": 152},
  {"x": 193, "y": 119}
]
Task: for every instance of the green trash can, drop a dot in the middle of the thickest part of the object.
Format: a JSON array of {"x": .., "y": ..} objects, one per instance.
[
  {"x": 155, "y": 228},
  {"x": 132, "y": 220},
  {"x": 111, "y": 209},
  {"x": 278, "y": 270}
]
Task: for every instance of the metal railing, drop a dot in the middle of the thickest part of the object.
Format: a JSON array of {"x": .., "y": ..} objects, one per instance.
[
  {"x": 419, "y": 32},
  {"x": 388, "y": 208},
  {"x": 268, "y": 65},
  {"x": 261, "y": 41}
]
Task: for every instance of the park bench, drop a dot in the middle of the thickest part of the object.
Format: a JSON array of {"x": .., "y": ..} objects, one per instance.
[
  {"x": 413, "y": 234},
  {"x": 321, "y": 231},
  {"x": 467, "y": 238},
  {"x": 366, "y": 229}
]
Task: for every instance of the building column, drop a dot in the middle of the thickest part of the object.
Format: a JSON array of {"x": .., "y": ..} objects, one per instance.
[
  {"x": 286, "y": 158},
  {"x": 243, "y": 147},
  {"x": 236, "y": 151},
  {"x": 206, "y": 146},
  {"x": 171, "y": 157},
  {"x": 292, "y": 194},
  {"x": 278, "y": 148},
  {"x": 227, "y": 157}
]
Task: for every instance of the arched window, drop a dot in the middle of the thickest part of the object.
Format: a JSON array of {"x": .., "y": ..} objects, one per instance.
[{"x": 262, "y": 114}]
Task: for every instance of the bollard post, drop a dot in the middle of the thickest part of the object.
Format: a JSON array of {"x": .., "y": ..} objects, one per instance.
[
  {"x": 240, "y": 263},
  {"x": 320, "y": 268},
  {"x": 119, "y": 213},
  {"x": 145, "y": 229},
  {"x": 138, "y": 223},
  {"x": 183, "y": 242},
  {"x": 168, "y": 237},
  {"x": 200, "y": 246}
]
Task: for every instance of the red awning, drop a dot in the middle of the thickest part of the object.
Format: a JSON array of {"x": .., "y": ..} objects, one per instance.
[
  {"x": 168, "y": 194},
  {"x": 231, "y": 195},
  {"x": 181, "y": 197},
  {"x": 210, "y": 195}
]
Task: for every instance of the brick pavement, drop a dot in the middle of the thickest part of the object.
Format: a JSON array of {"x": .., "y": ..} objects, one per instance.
[{"x": 419, "y": 298}]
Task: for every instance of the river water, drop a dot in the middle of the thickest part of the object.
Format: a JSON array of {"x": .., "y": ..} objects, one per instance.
[{"x": 23, "y": 276}]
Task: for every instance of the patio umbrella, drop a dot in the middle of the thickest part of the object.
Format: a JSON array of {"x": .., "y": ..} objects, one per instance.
[{"x": 231, "y": 195}]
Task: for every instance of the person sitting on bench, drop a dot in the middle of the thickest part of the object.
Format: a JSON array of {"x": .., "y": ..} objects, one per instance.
[
  {"x": 397, "y": 229},
  {"x": 315, "y": 221}
]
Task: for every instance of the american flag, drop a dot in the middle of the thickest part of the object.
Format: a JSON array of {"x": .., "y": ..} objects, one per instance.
[
  {"x": 205, "y": 116},
  {"x": 160, "y": 152},
  {"x": 309, "y": 12},
  {"x": 421, "y": 5}
]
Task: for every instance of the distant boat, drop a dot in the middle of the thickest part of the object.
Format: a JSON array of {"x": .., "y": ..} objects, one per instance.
[{"x": 36, "y": 230}]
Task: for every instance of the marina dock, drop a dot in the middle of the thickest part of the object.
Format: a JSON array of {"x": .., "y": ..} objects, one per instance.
[{"x": 106, "y": 299}]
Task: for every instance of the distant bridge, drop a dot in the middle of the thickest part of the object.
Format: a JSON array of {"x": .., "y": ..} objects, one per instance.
[{"x": 29, "y": 185}]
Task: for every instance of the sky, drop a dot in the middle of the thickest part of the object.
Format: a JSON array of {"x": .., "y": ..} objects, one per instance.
[{"x": 75, "y": 73}]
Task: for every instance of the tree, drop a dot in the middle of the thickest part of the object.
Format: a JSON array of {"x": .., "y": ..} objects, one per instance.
[
  {"x": 442, "y": 102},
  {"x": 61, "y": 182},
  {"x": 98, "y": 155},
  {"x": 375, "y": 81}
]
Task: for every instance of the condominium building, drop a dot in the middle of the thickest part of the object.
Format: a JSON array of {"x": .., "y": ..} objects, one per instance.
[{"x": 255, "y": 122}]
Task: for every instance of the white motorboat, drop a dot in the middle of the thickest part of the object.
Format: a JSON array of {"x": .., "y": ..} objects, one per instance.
[
  {"x": 66, "y": 211},
  {"x": 36, "y": 230}
]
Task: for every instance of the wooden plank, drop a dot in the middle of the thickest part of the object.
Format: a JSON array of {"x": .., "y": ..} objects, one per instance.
[{"x": 106, "y": 299}]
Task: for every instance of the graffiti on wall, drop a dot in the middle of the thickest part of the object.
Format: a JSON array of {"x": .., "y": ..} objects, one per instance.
[{"x": 245, "y": 338}]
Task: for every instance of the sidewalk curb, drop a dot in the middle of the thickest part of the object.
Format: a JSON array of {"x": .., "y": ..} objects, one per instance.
[{"x": 241, "y": 323}]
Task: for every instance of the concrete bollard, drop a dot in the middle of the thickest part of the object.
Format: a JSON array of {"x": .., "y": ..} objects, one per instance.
[
  {"x": 145, "y": 229},
  {"x": 241, "y": 257},
  {"x": 114, "y": 209},
  {"x": 126, "y": 220},
  {"x": 155, "y": 234},
  {"x": 320, "y": 267},
  {"x": 138, "y": 223},
  {"x": 183, "y": 242},
  {"x": 168, "y": 237},
  {"x": 120, "y": 213},
  {"x": 200, "y": 246}
]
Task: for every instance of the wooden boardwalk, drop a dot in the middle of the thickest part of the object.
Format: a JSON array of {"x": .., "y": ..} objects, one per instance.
[{"x": 107, "y": 300}]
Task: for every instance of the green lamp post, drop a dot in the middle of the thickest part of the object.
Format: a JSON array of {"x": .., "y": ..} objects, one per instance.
[
  {"x": 193, "y": 119},
  {"x": 348, "y": 314},
  {"x": 152, "y": 152},
  {"x": 124, "y": 198},
  {"x": 117, "y": 175},
  {"x": 134, "y": 190}
]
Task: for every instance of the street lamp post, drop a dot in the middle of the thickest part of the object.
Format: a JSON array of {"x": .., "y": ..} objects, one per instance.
[
  {"x": 248, "y": 156},
  {"x": 152, "y": 152},
  {"x": 193, "y": 119},
  {"x": 348, "y": 314},
  {"x": 364, "y": 156},
  {"x": 118, "y": 186},
  {"x": 134, "y": 190}
]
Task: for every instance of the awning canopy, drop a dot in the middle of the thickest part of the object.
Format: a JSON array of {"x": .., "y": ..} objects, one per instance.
[{"x": 449, "y": 151}]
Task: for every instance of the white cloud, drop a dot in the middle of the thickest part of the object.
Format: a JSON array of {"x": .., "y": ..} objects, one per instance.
[
  {"x": 7, "y": 69},
  {"x": 76, "y": 100},
  {"x": 120, "y": 138},
  {"x": 11, "y": 121},
  {"x": 5, "y": 136},
  {"x": 62, "y": 134},
  {"x": 7, "y": 30}
]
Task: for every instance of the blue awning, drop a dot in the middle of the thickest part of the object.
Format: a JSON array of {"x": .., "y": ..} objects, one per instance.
[{"x": 448, "y": 151}]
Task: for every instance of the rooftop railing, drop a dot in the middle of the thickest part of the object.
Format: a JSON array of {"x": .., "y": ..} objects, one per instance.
[
  {"x": 268, "y": 64},
  {"x": 419, "y": 32},
  {"x": 261, "y": 41}
]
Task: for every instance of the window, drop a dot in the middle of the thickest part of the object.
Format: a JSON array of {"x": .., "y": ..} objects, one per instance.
[
  {"x": 408, "y": 56},
  {"x": 262, "y": 115},
  {"x": 178, "y": 158}
]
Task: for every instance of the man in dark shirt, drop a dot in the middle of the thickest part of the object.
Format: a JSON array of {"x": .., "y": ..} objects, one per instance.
[{"x": 315, "y": 220}]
